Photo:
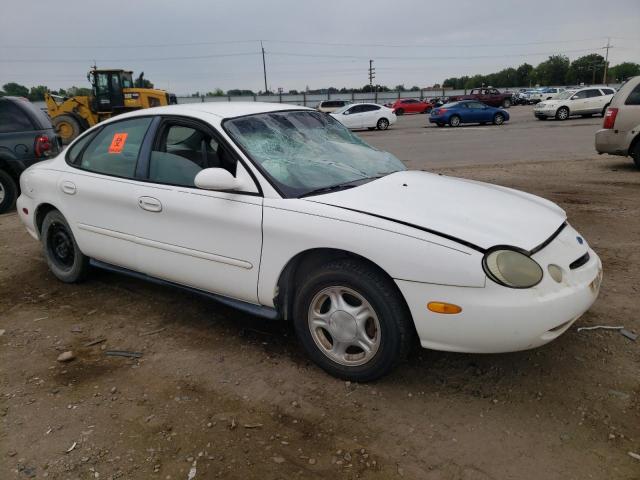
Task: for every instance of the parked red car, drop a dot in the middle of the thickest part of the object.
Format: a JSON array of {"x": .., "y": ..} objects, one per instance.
[{"x": 410, "y": 105}]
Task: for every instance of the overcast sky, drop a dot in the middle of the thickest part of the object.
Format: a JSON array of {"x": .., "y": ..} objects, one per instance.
[{"x": 199, "y": 45}]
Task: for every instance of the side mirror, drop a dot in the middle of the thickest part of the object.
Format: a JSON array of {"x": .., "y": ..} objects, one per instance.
[{"x": 216, "y": 179}]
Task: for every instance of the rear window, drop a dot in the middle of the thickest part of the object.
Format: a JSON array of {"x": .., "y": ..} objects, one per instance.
[
  {"x": 333, "y": 103},
  {"x": 13, "y": 118},
  {"x": 634, "y": 96}
]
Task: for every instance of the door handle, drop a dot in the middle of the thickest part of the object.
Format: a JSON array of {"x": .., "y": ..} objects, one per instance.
[
  {"x": 150, "y": 204},
  {"x": 68, "y": 187}
]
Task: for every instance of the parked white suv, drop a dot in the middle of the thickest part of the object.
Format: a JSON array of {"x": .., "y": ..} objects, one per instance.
[{"x": 585, "y": 101}]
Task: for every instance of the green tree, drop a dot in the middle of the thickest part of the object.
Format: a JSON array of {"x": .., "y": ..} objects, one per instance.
[
  {"x": 623, "y": 71},
  {"x": 216, "y": 93},
  {"x": 586, "y": 69},
  {"x": 553, "y": 71},
  {"x": 524, "y": 75},
  {"x": 37, "y": 93},
  {"x": 15, "y": 89}
]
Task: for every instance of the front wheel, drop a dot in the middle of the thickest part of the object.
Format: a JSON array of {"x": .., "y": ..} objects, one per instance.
[
  {"x": 352, "y": 321},
  {"x": 382, "y": 124},
  {"x": 64, "y": 258},
  {"x": 8, "y": 192},
  {"x": 67, "y": 127},
  {"x": 562, "y": 113},
  {"x": 498, "y": 119},
  {"x": 454, "y": 121}
]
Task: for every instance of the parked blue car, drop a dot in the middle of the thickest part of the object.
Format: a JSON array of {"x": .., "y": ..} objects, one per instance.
[{"x": 467, "y": 111}]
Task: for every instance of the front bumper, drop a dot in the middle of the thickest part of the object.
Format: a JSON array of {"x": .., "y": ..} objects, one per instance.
[
  {"x": 612, "y": 142},
  {"x": 544, "y": 113},
  {"x": 498, "y": 319}
]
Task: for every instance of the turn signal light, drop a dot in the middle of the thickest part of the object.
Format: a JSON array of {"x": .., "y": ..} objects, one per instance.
[{"x": 442, "y": 307}]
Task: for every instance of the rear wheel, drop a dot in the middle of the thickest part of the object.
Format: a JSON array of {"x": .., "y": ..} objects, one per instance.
[
  {"x": 635, "y": 153},
  {"x": 454, "y": 121},
  {"x": 440, "y": 124},
  {"x": 498, "y": 119},
  {"x": 400, "y": 111},
  {"x": 562, "y": 113},
  {"x": 506, "y": 103},
  {"x": 382, "y": 124},
  {"x": 8, "y": 192},
  {"x": 352, "y": 321},
  {"x": 67, "y": 127},
  {"x": 64, "y": 258}
]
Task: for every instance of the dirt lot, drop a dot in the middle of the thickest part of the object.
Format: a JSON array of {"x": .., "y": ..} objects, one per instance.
[{"x": 221, "y": 394}]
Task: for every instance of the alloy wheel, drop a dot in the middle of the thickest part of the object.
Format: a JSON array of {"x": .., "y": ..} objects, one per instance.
[{"x": 344, "y": 326}]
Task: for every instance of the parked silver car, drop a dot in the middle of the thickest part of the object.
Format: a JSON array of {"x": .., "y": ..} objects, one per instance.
[{"x": 620, "y": 133}]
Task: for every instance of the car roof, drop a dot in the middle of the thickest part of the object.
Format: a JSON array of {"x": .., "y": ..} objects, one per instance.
[
  {"x": 37, "y": 117},
  {"x": 222, "y": 110}
]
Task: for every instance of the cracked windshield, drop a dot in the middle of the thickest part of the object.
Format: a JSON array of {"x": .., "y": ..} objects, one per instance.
[{"x": 309, "y": 152}]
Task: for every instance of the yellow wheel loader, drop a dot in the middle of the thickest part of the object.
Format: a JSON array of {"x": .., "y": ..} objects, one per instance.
[{"x": 113, "y": 92}]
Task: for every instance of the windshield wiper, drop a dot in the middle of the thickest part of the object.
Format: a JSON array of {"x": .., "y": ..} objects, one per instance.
[{"x": 337, "y": 187}]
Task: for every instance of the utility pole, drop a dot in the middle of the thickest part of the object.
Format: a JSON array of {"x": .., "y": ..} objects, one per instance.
[
  {"x": 264, "y": 69},
  {"x": 606, "y": 60},
  {"x": 372, "y": 74}
]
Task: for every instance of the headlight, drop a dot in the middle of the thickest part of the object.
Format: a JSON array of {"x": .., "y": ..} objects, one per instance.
[{"x": 511, "y": 268}]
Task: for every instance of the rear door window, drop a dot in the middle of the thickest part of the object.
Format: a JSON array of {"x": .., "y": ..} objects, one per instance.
[
  {"x": 115, "y": 150},
  {"x": 593, "y": 93},
  {"x": 13, "y": 118},
  {"x": 634, "y": 96}
]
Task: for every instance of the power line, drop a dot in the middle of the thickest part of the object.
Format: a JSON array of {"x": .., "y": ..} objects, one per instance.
[
  {"x": 297, "y": 42},
  {"x": 467, "y": 57},
  {"x": 122, "y": 60}
]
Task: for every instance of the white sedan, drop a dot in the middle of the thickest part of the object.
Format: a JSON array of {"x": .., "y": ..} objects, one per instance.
[
  {"x": 365, "y": 115},
  {"x": 282, "y": 212}
]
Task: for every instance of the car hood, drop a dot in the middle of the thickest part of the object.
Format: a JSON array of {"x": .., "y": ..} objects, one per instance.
[{"x": 477, "y": 213}]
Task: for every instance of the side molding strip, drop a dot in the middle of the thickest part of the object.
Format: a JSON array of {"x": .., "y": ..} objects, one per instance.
[
  {"x": 166, "y": 246},
  {"x": 257, "y": 310}
]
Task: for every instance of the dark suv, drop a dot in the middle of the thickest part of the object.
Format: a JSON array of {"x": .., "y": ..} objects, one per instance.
[{"x": 26, "y": 137}]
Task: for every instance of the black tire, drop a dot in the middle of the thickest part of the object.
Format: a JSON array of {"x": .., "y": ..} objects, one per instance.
[
  {"x": 382, "y": 124},
  {"x": 396, "y": 331},
  {"x": 562, "y": 113},
  {"x": 67, "y": 127},
  {"x": 635, "y": 153},
  {"x": 400, "y": 111},
  {"x": 440, "y": 124},
  {"x": 541, "y": 118},
  {"x": 64, "y": 258},
  {"x": 454, "y": 121},
  {"x": 8, "y": 192},
  {"x": 506, "y": 103},
  {"x": 371, "y": 128},
  {"x": 498, "y": 119}
]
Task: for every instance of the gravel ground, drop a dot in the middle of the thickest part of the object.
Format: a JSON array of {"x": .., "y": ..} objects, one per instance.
[{"x": 219, "y": 394}]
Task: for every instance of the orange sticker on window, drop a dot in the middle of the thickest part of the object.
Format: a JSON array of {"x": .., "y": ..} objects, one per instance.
[{"x": 117, "y": 143}]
